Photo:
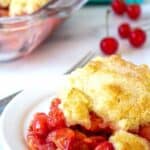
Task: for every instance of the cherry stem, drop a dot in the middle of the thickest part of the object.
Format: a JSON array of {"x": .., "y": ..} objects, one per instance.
[{"x": 107, "y": 22}]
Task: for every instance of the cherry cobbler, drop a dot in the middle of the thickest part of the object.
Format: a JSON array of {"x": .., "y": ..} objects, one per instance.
[{"x": 102, "y": 106}]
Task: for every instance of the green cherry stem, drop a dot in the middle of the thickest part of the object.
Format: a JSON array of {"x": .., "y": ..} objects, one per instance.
[{"x": 107, "y": 22}]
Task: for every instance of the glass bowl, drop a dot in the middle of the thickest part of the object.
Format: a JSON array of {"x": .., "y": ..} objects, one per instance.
[{"x": 20, "y": 35}]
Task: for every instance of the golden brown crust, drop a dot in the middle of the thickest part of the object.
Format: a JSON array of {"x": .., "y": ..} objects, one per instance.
[
  {"x": 118, "y": 91},
  {"x": 21, "y": 7},
  {"x": 126, "y": 141}
]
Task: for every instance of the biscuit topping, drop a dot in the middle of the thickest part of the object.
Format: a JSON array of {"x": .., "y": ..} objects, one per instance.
[
  {"x": 114, "y": 89},
  {"x": 126, "y": 141}
]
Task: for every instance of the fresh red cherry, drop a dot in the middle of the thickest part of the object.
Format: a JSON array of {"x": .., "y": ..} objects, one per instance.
[
  {"x": 119, "y": 7},
  {"x": 137, "y": 37},
  {"x": 124, "y": 30},
  {"x": 40, "y": 124},
  {"x": 105, "y": 146},
  {"x": 134, "y": 11},
  {"x": 109, "y": 45}
]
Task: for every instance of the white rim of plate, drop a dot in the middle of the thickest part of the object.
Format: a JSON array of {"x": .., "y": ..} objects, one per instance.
[{"x": 37, "y": 94}]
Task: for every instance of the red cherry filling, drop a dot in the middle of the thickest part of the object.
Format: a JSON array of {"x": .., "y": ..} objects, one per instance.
[
  {"x": 145, "y": 132},
  {"x": 109, "y": 45},
  {"x": 56, "y": 118},
  {"x": 94, "y": 141},
  {"x": 55, "y": 103},
  {"x": 134, "y": 11},
  {"x": 105, "y": 146},
  {"x": 40, "y": 124},
  {"x": 68, "y": 139},
  {"x": 119, "y": 6},
  {"x": 61, "y": 137},
  {"x": 50, "y": 132},
  {"x": 97, "y": 124},
  {"x": 137, "y": 37}
]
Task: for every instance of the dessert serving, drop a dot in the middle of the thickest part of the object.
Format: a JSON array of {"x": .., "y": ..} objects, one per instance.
[{"x": 102, "y": 106}]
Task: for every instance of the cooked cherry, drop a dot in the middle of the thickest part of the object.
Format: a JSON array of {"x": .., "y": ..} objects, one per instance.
[
  {"x": 61, "y": 137},
  {"x": 94, "y": 141},
  {"x": 97, "y": 123},
  {"x": 47, "y": 146},
  {"x": 40, "y": 124},
  {"x": 55, "y": 103},
  {"x": 145, "y": 132},
  {"x": 56, "y": 119},
  {"x": 105, "y": 146},
  {"x": 35, "y": 141}
]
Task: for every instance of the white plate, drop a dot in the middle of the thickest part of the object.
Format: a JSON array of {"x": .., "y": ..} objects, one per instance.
[{"x": 19, "y": 112}]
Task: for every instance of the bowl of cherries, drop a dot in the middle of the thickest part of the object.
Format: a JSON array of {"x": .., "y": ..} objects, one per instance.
[{"x": 135, "y": 36}]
